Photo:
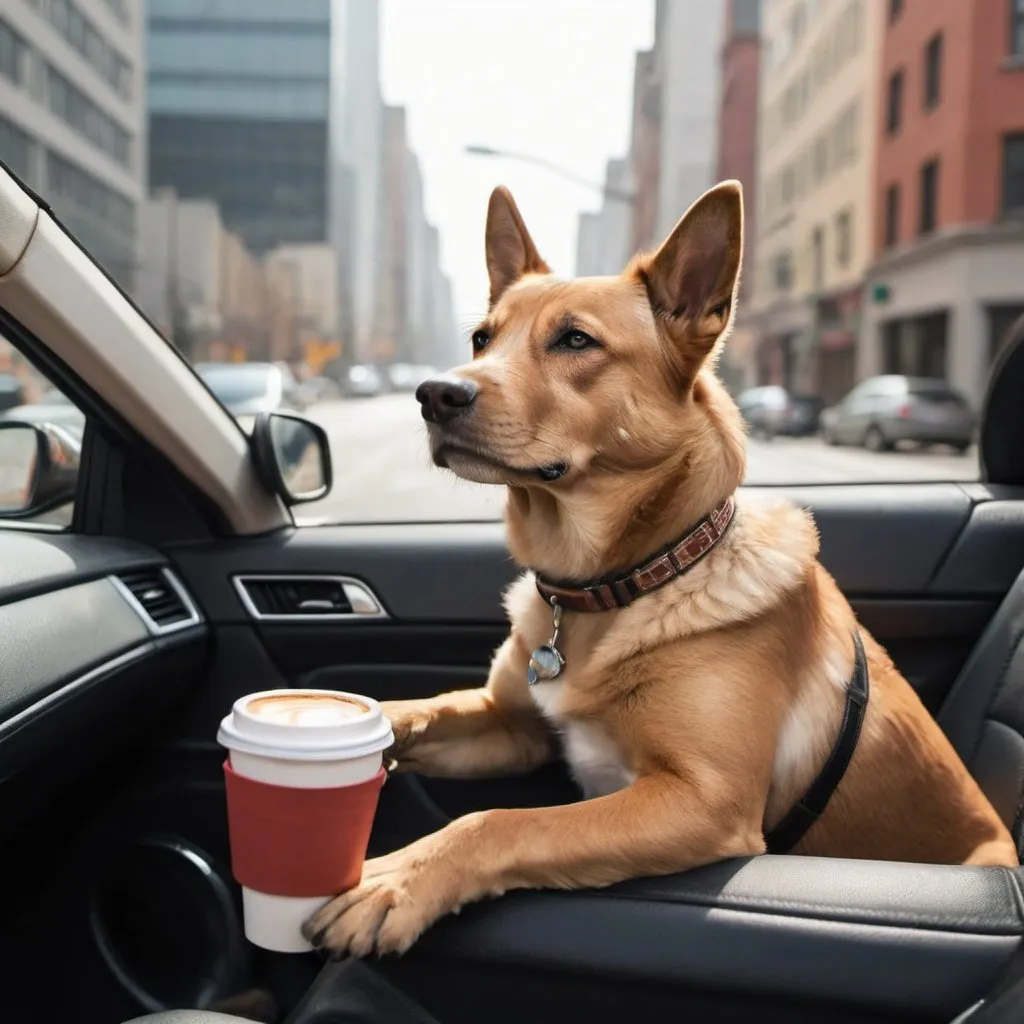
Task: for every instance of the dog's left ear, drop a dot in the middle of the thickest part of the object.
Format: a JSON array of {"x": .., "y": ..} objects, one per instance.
[{"x": 691, "y": 280}]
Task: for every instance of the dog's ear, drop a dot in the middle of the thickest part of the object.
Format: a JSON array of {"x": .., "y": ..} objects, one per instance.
[
  {"x": 691, "y": 280},
  {"x": 510, "y": 249}
]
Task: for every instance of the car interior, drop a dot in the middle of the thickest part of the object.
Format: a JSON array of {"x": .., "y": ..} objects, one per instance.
[{"x": 183, "y": 584}]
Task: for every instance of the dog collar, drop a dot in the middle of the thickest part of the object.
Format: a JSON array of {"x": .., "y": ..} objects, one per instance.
[{"x": 617, "y": 592}]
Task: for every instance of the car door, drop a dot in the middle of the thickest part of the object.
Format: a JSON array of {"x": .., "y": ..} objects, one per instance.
[
  {"x": 854, "y": 413},
  {"x": 120, "y": 844}
]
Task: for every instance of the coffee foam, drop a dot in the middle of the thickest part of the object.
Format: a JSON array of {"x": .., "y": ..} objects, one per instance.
[{"x": 306, "y": 709}]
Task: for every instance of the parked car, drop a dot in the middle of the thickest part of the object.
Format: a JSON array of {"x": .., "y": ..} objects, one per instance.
[
  {"x": 246, "y": 389},
  {"x": 11, "y": 393},
  {"x": 771, "y": 409},
  {"x": 881, "y": 412},
  {"x": 364, "y": 380}
]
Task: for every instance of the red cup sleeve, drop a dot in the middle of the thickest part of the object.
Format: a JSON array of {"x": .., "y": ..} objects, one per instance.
[{"x": 299, "y": 842}]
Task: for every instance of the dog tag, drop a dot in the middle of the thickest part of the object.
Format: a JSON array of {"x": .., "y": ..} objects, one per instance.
[{"x": 547, "y": 662}]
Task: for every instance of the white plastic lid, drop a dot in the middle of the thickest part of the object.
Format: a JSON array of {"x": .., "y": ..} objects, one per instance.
[{"x": 325, "y": 727}]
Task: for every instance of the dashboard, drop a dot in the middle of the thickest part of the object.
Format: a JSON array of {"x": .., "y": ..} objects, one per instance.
[{"x": 98, "y": 640}]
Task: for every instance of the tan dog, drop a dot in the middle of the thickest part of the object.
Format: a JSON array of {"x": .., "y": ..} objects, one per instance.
[{"x": 700, "y": 712}]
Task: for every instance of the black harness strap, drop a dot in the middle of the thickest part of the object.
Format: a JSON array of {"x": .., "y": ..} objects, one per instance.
[{"x": 812, "y": 805}]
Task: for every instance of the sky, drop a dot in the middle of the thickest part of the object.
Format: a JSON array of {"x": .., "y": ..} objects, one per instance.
[{"x": 551, "y": 78}]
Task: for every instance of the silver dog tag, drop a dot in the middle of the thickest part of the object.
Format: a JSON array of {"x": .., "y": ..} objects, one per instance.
[{"x": 546, "y": 662}]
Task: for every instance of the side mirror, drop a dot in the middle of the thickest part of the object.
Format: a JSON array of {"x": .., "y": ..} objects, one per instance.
[
  {"x": 293, "y": 457},
  {"x": 38, "y": 468}
]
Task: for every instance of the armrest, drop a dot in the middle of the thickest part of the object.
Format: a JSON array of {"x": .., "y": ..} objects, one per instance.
[{"x": 902, "y": 938}]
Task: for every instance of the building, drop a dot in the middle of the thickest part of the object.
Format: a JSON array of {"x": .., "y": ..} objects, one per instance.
[
  {"x": 645, "y": 150},
  {"x": 740, "y": 70},
  {"x": 688, "y": 39},
  {"x": 239, "y": 111},
  {"x": 948, "y": 276},
  {"x": 391, "y": 328},
  {"x": 208, "y": 293},
  {"x": 314, "y": 270},
  {"x": 356, "y": 222},
  {"x": 815, "y": 190},
  {"x": 72, "y": 110},
  {"x": 603, "y": 238}
]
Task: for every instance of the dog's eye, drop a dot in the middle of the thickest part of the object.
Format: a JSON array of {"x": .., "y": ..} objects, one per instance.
[
  {"x": 480, "y": 340},
  {"x": 575, "y": 341}
]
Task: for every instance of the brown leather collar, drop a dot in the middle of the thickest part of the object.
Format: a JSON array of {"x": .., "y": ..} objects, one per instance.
[{"x": 620, "y": 591}]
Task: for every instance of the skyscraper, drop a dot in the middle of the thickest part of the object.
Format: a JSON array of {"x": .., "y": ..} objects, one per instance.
[
  {"x": 72, "y": 117},
  {"x": 239, "y": 112}
]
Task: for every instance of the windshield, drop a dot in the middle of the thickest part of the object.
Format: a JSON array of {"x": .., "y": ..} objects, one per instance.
[
  {"x": 235, "y": 384},
  {"x": 305, "y": 184}
]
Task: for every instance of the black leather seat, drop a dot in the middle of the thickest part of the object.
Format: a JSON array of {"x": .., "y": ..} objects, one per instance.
[{"x": 984, "y": 713}]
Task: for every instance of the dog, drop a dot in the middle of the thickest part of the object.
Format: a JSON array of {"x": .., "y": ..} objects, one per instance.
[{"x": 683, "y": 648}]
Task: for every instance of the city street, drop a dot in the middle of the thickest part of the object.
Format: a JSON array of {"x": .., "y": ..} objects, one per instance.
[{"x": 383, "y": 472}]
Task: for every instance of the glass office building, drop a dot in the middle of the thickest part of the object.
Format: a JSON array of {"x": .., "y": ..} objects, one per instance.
[{"x": 238, "y": 111}]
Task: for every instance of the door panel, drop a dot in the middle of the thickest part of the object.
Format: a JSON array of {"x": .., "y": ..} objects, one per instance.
[{"x": 904, "y": 554}]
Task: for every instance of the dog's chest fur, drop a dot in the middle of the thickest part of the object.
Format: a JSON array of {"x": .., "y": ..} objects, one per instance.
[{"x": 594, "y": 759}]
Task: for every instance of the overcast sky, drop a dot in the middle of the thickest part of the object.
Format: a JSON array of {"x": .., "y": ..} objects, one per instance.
[{"x": 552, "y": 78}]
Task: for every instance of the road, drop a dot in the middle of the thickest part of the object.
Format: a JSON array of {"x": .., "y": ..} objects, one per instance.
[{"x": 383, "y": 472}]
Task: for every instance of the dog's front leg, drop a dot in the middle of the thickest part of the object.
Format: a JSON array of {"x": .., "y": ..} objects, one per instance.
[
  {"x": 491, "y": 730},
  {"x": 659, "y": 825}
]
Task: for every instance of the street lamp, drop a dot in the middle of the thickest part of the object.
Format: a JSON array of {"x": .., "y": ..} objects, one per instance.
[{"x": 608, "y": 192}]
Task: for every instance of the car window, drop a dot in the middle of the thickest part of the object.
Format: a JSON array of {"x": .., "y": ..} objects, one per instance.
[
  {"x": 29, "y": 400},
  {"x": 292, "y": 185}
]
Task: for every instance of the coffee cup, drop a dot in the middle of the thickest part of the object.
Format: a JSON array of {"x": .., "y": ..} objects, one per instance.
[{"x": 303, "y": 775}]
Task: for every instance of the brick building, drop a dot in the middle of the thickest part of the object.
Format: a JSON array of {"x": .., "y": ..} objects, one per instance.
[
  {"x": 740, "y": 68},
  {"x": 948, "y": 275},
  {"x": 737, "y": 119}
]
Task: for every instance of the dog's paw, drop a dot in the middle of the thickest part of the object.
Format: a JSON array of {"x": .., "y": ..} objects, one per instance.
[
  {"x": 398, "y": 898},
  {"x": 408, "y": 723}
]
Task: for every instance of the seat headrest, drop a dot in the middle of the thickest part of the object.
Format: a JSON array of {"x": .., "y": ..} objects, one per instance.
[{"x": 1002, "y": 418}]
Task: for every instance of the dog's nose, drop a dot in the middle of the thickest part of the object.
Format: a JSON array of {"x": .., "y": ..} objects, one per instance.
[{"x": 444, "y": 397}]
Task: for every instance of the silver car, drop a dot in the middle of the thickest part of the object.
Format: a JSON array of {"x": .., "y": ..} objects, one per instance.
[{"x": 881, "y": 412}]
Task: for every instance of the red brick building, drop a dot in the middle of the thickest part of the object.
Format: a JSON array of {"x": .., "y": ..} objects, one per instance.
[
  {"x": 737, "y": 123},
  {"x": 948, "y": 276}
]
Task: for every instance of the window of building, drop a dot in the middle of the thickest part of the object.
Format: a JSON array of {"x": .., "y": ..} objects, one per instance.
[
  {"x": 782, "y": 271},
  {"x": 892, "y": 216},
  {"x": 818, "y": 259},
  {"x": 844, "y": 239},
  {"x": 933, "y": 71},
  {"x": 16, "y": 150},
  {"x": 13, "y": 55},
  {"x": 71, "y": 105},
  {"x": 83, "y": 35},
  {"x": 1013, "y": 174},
  {"x": 895, "y": 10},
  {"x": 1017, "y": 28},
  {"x": 894, "y": 109},
  {"x": 102, "y": 219},
  {"x": 928, "y": 213}
]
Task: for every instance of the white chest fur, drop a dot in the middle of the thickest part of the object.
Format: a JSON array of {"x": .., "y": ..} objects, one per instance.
[{"x": 594, "y": 759}]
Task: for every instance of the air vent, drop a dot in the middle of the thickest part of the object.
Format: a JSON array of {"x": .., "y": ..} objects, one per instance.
[
  {"x": 160, "y": 598},
  {"x": 307, "y": 597}
]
